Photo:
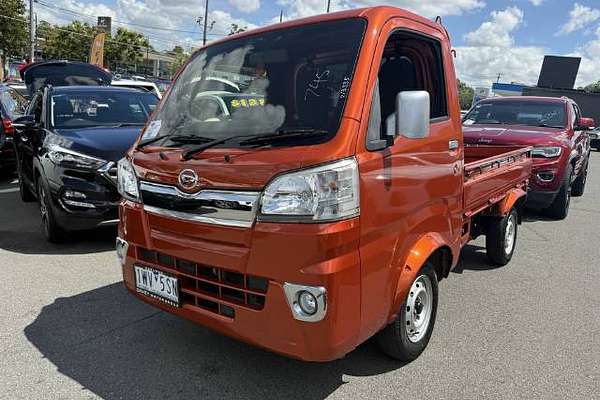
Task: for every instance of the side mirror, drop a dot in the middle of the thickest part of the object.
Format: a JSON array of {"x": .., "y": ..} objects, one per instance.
[
  {"x": 25, "y": 121},
  {"x": 412, "y": 114},
  {"x": 586, "y": 123}
]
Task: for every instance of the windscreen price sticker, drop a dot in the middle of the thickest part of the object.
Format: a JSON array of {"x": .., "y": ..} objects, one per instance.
[
  {"x": 247, "y": 103},
  {"x": 152, "y": 130}
]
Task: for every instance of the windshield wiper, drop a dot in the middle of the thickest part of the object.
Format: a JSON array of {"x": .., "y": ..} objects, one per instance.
[
  {"x": 255, "y": 139},
  {"x": 549, "y": 126},
  {"x": 122, "y": 125},
  {"x": 176, "y": 139}
]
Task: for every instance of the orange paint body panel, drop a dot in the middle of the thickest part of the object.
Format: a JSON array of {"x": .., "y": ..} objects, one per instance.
[{"x": 416, "y": 197}]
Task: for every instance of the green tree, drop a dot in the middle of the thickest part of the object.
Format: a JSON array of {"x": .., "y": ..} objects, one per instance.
[
  {"x": 465, "y": 94},
  {"x": 125, "y": 47},
  {"x": 593, "y": 87},
  {"x": 235, "y": 28},
  {"x": 69, "y": 42},
  {"x": 13, "y": 28},
  {"x": 180, "y": 58}
]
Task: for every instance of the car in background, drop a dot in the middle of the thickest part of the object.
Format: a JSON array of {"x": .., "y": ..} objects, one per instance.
[
  {"x": 595, "y": 138},
  {"x": 138, "y": 84},
  {"x": 69, "y": 141},
  {"x": 12, "y": 106},
  {"x": 556, "y": 130},
  {"x": 162, "y": 84}
]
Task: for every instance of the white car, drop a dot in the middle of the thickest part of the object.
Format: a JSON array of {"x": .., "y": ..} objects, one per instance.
[{"x": 146, "y": 85}]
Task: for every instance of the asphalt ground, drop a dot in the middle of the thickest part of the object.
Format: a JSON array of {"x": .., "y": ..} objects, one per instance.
[{"x": 529, "y": 330}]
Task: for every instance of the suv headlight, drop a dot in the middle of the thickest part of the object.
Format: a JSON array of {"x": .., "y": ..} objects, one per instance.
[
  {"x": 548, "y": 152},
  {"x": 325, "y": 193},
  {"x": 127, "y": 180},
  {"x": 71, "y": 159}
]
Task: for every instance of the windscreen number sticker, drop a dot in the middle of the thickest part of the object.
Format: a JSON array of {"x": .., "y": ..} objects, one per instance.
[
  {"x": 247, "y": 103},
  {"x": 152, "y": 130}
]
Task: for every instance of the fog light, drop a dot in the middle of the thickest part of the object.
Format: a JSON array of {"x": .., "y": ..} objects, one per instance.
[
  {"x": 546, "y": 176},
  {"x": 307, "y": 302},
  {"x": 121, "y": 247}
]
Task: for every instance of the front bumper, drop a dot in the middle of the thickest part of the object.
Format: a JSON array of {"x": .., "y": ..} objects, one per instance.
[
  {"x": 95, "y": 205},
  {"x": 324, "y": 255}
]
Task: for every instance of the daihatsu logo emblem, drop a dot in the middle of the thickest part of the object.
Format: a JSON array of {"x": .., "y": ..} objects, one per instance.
[{"x": 188, "y": 179}]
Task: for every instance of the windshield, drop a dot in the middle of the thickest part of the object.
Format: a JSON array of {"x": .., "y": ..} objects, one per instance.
[
  {"x": 101, "y": 108},
  {"x": 295, "y": 78},
  {"x": 12, "y": 103},
  {"x": 517, "y": 113}
]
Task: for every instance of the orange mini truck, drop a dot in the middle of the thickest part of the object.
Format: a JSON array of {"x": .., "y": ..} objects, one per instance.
[{"x": 304, "y": 186}]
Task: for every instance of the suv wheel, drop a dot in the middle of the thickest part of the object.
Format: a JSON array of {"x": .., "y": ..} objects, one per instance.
[
  {"x": 26, "y": 194},
  {"x": 406, "y": 337},
  {"x": 559, "y": 208},
  {"x": 579, "y": 184},
  {"x": 51, "y": 230}
]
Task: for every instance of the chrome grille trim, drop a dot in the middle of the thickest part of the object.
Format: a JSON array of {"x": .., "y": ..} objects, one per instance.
[{"x": 216, "y": 207}]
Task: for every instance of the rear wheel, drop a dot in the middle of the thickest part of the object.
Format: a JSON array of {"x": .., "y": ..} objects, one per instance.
[
  {"x": 559, "y": 208},
  {"x": 501, "y": 238},
  {"x": 579, "y": 185},
  {"x": 406, "y": 337},
  {"x": 50, "y": 228}
]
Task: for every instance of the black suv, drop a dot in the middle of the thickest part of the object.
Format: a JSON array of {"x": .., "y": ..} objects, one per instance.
[{"x": 69, "y": 141}]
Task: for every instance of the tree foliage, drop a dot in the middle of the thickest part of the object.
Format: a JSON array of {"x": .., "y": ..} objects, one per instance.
[
  {"x": 593, "y": 87},
  {"x": 235, "y": 28},
  {"x": 13, "y": 28},
  {"x": 465, "y": 93},
  {"x": 73, "y": 41},
  {"x": 180, "y": 58}
]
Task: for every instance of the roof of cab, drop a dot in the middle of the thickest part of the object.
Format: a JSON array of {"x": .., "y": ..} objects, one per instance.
[
  {"x": 95, "y": 89},
  {"x": 378, "y": 13}
]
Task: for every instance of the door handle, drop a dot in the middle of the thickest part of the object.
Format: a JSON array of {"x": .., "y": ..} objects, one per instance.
[{"x": 452, "y": 144}]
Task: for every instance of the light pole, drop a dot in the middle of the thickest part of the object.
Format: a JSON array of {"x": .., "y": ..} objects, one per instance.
[
  {"x": 31, "y": 32},
  {"x": 205, "y": 22},
  {"x": 328, "y": 5}
]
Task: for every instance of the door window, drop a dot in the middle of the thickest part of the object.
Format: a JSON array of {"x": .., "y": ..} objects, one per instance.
[{"x": 409, "y": 62}]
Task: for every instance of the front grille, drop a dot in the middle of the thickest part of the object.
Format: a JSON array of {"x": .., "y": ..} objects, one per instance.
[{"x": 211, "y": 288}]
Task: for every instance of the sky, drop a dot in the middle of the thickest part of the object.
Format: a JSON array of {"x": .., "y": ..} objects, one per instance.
[{"x": 491, "y": 37}]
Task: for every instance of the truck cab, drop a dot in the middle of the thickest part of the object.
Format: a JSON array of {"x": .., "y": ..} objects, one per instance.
[{"x": 328, "y": 204}]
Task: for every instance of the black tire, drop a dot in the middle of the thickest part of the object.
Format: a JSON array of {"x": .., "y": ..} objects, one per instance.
[
  {"x": 559, "y": 209},
  {"x": 394, "y": 339},
  {"x": 52, "y": 232},
  {"x": 26, "y": 194},
  {"x": 578, "y": 187},
  {"x": 501, "y": 238}
]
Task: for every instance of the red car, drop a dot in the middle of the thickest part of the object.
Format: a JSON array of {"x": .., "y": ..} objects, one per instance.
[{"x": 556, "y": 130}]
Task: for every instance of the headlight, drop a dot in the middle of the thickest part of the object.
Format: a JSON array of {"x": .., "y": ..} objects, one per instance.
[
  {"x": 548, "y": 152},
  {"x": 72, "y": 159},
  {"x": 127, "y": 180},
  {"x": 329, "y": 192}
]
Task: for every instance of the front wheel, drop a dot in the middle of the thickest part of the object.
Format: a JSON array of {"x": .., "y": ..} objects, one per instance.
[
  {"x": 559, "y": 209},
  {"x": 579, "y": 185},
  {"x": 406, "y": 337},
  {"x": 501, "y": 238},
  {"x": 24, "y": 191},
  {"x": 50, "y": 228}
]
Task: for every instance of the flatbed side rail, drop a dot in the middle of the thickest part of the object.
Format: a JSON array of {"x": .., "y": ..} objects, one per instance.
[{"x": 480, "y": 167}]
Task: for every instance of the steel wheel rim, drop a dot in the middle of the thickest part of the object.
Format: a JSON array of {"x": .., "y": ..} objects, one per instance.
[
  {"x": 419, "y": 308},
  {"x": 509, "y": 235}
]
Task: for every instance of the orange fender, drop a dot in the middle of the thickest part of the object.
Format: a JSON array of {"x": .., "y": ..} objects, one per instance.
[
  {"x": 509, "y": 201},
  {"x": 417, "y": 256}
]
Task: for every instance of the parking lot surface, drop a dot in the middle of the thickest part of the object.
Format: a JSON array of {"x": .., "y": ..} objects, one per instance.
[{"x": 529, "y": 330}]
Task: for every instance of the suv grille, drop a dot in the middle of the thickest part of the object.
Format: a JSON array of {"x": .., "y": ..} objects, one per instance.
[{"x": 211, "y": 288}]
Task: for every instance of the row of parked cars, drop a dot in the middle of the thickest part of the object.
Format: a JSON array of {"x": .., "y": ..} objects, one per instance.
[{"x": 66, "y": 140}]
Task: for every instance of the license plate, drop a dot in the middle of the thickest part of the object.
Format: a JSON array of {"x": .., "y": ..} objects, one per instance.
[{"x": 156, "y": 284}]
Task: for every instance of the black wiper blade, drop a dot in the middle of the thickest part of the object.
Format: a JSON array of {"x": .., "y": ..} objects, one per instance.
[
  {"x": 284, "y": 134},
  {"x": 255, "y": 139},
  {"x": 123, "y": 124},
  {"x": 177, "y": 139},
  {"x": 549, "y": 126}
]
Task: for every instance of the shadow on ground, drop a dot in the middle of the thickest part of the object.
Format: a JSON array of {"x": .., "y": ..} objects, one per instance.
[
  {"x": 21, "y": 232},
  {"x": 120, "y": 348}
]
